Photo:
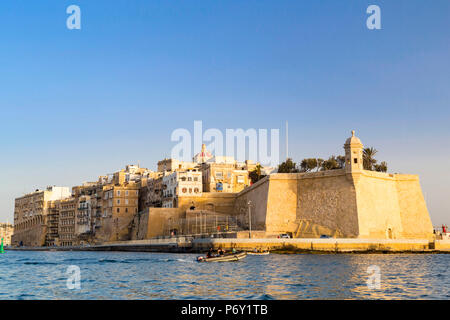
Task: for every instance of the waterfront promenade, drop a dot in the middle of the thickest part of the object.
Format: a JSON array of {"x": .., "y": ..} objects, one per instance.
[{"x": 191, "y": 244}]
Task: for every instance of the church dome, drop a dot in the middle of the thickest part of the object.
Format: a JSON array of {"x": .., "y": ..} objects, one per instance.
[{"x": 203, "y": 155}]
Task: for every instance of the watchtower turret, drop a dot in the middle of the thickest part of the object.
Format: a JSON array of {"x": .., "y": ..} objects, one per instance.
[{"x": 353, "y": 154}]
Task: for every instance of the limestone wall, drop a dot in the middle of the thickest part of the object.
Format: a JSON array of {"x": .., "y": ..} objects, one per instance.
[
  {"x": 211, "y": 201},
  {"x": 282, "y": 203},
  {"x": 366, "y": 204},
  {"x": 378, "y": 206},
  {"x": 325, "y": 245},
  {"x": 414, "y": 215},
  {"x": 34, "y": 236},
  {"x": 160, "y": 220},
  {"x": 326, "y": 205},
  {"x": 258, "y": 195},
  {"x": 139, "y": 226}
]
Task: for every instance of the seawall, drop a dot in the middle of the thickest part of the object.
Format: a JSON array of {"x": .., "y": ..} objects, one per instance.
[{"x": 187, "y": 245}]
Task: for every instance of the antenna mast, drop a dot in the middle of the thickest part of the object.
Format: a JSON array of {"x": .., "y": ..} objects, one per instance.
[{"x": 287, "y": 140}]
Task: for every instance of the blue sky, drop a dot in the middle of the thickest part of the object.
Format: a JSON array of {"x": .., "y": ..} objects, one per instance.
[{"x": 76, "y": 104}]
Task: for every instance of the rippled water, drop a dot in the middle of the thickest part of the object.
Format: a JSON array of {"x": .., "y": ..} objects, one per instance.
[{"x": 123, "y": 275}]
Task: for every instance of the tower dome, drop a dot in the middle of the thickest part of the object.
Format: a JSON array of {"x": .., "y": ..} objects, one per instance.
[
  {"x": 353, "y": 140},
  {"x": 353, "y": 154}
]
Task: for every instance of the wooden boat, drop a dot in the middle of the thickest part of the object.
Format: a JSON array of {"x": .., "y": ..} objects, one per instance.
[
  {"x": 263, "y": 253},
  {"x": 227, "y": 257}
]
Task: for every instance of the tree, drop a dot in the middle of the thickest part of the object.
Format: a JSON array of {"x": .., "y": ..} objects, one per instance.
[
  {"x": 256, "y": 175},
  {"x": 319, "y": 163},
  {"x": 331, "y": 164},
  {"x": 382, "y": 167},
  {"x": 370, "y": 163},
  {"x": 368, "y": 158},
  {"x": 308, "y": 164},
  {"x": 341, "y": 161},
  {"x": 287, "y": 167}
]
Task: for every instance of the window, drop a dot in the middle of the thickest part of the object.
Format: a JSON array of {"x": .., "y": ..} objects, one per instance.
[
  {"x": 118, "y": 210},
  {"x": 189, "y": 178},
  {"x": 118, "y": 201},
  {"x": 126, "y": 193},
  {"x": 184, "y": 190},
  {"x": 355, "y": 160},
  {"x": 118, "y": 193},
  {"x": 126, "y": 210},
  {"x": 240, "y": 179},
  {"x": 126, "y": 201},
  {"x": 196, "y": 190},
  {"x": 219, "y": 175},
  {"x": 195, "y": 178}
]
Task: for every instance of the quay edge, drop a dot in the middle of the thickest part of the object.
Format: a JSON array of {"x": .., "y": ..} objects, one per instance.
[{"x": 189, "y": 245}]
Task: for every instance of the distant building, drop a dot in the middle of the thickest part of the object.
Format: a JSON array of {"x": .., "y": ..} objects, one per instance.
[
  {"x": 172, "y": 165},
  {"x": 181, "y": 184},
  {"x": 150, "y": 192},
  {"x": 224, "y": 177},
  {"x": 84, "y": 223},
  {"x": 67, "y": 222},
  {"x": 6, "y": 232},
  {"x": 30, "y": 215},
  {"x": 120, "y": 204}
]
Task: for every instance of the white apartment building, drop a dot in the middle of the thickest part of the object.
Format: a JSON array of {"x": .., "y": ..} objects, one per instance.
[{"x": 181, "y": 184}]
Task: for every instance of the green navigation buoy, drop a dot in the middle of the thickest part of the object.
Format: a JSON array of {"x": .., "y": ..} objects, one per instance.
[{"x": 1, "y": 248}]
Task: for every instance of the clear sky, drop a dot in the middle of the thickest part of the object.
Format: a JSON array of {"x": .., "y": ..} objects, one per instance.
[{"x": 76, "y": 104}]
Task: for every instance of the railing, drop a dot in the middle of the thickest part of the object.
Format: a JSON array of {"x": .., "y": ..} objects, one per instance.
[{"x": 202, "y": 224}]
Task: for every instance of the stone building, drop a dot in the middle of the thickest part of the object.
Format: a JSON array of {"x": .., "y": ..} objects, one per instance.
[
  {"x": 120, "y": 204},
  {"x": 151, "y": 192},
  {"x": 172, "y": 165},
  {"x": 6, "y": 232},
  {"x": 67, "y": 222},
  {"x": 84, "y": 227},
  {"x": 89, "y": 209},
  {"x": 224, "y": 177},
  {"x": 105, "y": 207},
  {"x": 52, "y": 234},
  {"x": 30, "y": 215},
  {"x": 181, "y": 184}
]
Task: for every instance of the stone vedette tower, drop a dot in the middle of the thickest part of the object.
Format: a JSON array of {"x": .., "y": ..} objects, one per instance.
[
  {"x": 343, "y": 203},
  {"x": 353, "y": 155}
]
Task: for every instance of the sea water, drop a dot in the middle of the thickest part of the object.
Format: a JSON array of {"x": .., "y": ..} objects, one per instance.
[{"x": 141, "y": 275}]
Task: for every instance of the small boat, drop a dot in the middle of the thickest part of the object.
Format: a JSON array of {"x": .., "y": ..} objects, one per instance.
[
  {"x": 227, "y": 257},
  {"x": 263, "y": 253}
]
